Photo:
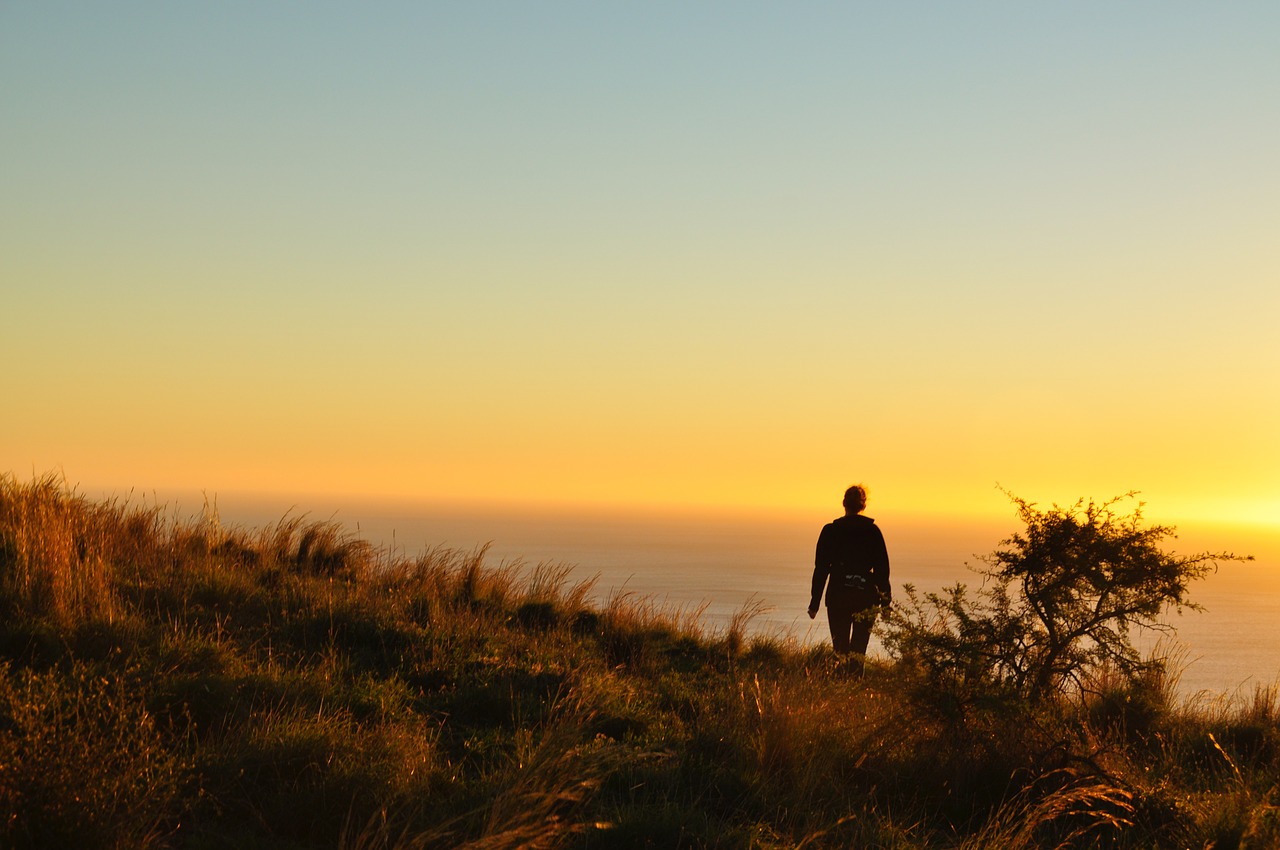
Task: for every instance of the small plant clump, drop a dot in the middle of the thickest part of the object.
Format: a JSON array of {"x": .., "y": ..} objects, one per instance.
[{"x": 179, "y": 684}]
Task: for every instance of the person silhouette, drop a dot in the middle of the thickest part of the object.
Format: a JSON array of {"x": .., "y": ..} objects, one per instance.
[{"x": 852, "y": 565}]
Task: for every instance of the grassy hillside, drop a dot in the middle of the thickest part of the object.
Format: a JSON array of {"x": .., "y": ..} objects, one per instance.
[{"x": 173, "y": 683}]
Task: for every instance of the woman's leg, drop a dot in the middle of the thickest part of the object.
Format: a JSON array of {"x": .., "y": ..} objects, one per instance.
[
  {"x": 841, "y": 622},
  {"x": 862, "y": 622}
]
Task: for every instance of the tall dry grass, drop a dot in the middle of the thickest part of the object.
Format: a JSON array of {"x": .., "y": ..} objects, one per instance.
[
  {"x": 173, "y": 682},
  {"x": 56, "y": 548}
]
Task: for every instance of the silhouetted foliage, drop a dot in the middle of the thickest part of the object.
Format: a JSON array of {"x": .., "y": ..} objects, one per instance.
[{"x": 1057, "y": 604}]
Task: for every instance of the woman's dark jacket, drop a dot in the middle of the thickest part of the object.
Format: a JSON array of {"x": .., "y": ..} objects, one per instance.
[{"x": 851, "y": 552}]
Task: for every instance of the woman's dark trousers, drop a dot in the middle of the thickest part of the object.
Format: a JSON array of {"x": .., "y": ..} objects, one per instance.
[{"x": 850, "y": 630}]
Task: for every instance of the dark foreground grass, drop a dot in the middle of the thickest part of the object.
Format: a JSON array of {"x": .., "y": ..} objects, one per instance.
[{"x": 168, "y": 683}]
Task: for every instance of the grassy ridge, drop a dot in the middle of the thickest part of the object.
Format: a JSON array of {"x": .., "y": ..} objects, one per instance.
[{"x": 171, "y": 683}]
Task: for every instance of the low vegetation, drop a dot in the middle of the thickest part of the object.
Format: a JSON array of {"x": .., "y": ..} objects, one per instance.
[{"x": 174, "y": 683}]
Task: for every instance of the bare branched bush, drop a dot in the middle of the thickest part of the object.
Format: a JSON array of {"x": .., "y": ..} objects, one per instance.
[{"x": 1058, "y": 602}]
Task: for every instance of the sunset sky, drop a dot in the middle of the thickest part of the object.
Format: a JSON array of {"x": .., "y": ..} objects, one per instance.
[{"x": 657, "y": 254}]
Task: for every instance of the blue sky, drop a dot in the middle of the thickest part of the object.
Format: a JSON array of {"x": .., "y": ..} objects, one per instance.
[{"x": 712, "y": 254}]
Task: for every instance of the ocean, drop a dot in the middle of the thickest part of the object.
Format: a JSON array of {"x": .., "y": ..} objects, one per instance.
[{"x": 724, "y": 563}]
